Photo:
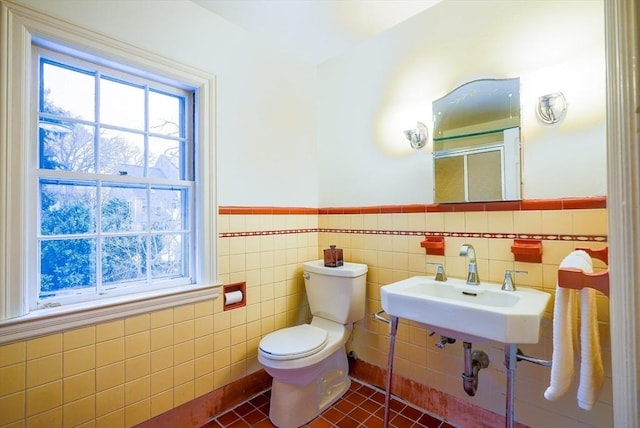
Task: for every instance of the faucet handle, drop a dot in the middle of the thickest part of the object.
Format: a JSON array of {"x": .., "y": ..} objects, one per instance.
[
  {"x": 508, "y": 284},
  {"x": 440, "y": 274}
]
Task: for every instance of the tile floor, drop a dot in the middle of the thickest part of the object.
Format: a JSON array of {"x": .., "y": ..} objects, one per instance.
[{"x": 361, "y": 406}]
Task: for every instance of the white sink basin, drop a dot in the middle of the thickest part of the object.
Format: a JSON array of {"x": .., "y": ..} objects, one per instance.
[{"x": 468, "y": 312}]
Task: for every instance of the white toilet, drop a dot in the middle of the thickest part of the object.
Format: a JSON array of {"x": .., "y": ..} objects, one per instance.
[{"x": 308, "y": 362}]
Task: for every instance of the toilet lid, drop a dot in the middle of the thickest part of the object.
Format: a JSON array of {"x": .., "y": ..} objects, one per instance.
[{"x": 293, "y": 342}]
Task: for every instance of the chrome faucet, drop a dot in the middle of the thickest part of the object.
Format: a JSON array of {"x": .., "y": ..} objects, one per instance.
[
  {"x": 440, "y": 274},
  {"x": 508, "y": 284},
  {"x": 472, "y": 276}
]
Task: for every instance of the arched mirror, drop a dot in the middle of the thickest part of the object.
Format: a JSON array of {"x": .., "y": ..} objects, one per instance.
[{"x": 476, "y": 142}]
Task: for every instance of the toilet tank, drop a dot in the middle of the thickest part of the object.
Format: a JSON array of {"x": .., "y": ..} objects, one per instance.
[{"x": 336, "y": 293}]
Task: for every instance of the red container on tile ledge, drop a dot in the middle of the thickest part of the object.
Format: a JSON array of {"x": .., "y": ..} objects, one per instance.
[{"x": 333, "y": 256}]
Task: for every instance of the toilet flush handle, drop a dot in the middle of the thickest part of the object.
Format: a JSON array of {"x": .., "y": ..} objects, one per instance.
[{"x": 305, "y": 275}]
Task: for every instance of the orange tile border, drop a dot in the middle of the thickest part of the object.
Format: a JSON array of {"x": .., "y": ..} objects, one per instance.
[
  {"x": 390, "y": 209},
  {"x": 504, "y": 206},
  {"x": 441, "y": 208},
  {"x": 584, "y": 203},
  {"x": 198, "y": 411},
  {"x": 414, "y": 208},
  {"x": 542, "y": 204},
  {"x": 248, "y": 210},
  {"x": 353, "y": 210},
  {"x": 470, "y": 206},
  {"x": 526, "y": 204},
  {"x": 369, "y": 210},
  {"x": 300, "y": 210}
]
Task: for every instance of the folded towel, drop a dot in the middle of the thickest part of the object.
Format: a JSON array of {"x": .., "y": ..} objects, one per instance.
[
  {"x": 562, "y": 369},
  {"x": 564, "y": 339},
  {"x": 591, "y": 370}
]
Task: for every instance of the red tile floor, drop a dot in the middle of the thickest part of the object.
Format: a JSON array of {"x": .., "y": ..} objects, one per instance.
[{"x": 361, "y": 406}]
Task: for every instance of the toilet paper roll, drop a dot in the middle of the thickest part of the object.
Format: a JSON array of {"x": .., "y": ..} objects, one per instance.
[{"x": 232, "y": 297}]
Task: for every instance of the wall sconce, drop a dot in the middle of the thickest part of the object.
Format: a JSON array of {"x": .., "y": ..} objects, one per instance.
[
  {"x": 551, "y": 107},
  {"x": 417, "y": 137}
]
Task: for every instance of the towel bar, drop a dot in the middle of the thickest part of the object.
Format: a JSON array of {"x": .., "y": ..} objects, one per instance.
[
  {"x": 379, "y": 317},
  {"x": 601, "y": 254},
  {"x": 577, "y": 279}
]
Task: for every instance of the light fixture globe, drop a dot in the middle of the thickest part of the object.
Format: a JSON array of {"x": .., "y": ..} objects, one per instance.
[
  {"x": 551, "y": 107},
  {"x": 417, "y": 137}
]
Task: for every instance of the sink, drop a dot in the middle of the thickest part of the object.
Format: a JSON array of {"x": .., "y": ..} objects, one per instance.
[{"x": 472, "y": 313}]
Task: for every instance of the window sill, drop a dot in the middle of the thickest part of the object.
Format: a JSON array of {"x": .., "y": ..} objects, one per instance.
[{"x": 52, "y": 320}]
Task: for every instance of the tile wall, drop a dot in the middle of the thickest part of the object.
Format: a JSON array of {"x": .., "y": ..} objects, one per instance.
[
  {"x": 126, "y": 371},
  {"x": 117, "y": 373},
  {"x": 386, "y": 242}
]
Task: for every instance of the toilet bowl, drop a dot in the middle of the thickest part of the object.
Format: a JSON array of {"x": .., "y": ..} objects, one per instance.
[
  {"x": 308, "y": 362},
  {"x": 304, "y": 385}
]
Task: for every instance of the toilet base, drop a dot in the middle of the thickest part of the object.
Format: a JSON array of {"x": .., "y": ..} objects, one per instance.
[{"x": 294, "y": 405}]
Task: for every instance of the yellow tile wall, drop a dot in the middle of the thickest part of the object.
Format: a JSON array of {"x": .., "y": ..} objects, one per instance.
[
  {"x": 395, "y": 257},
  {"x": 122, "y": 372}
]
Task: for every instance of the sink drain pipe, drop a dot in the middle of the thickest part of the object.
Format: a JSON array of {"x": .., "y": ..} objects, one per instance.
[{"x": 473, "y": 363}]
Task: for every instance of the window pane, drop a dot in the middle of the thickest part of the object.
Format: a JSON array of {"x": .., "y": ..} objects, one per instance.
[
  {"x": 124, "y": 259},
  {"x": 165, "y": 113},
  {"x": 67, "y": 92},
  {"x": 164, "y": 158},
  {"x": 67, "y": 207},
  {"x": 67, "y": 265},
  {"x": 121, "y": 153},
  {"x": 66, "y": 146},
  {"x": 166, "y": 209},
  {"x": 167, "y": 256},
  {"x": 124, "y": 207},
  {"x": 121, "y": 104}
]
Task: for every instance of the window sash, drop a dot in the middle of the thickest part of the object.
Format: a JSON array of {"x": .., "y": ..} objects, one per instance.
[
  {"x": 99, "y": 280},
  {"x": 96, "y": 233}
]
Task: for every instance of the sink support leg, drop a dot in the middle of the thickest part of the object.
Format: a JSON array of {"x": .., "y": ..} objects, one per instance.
[
  {"x": 510, "y": 359},
  {"x": 393, "y": 329}
]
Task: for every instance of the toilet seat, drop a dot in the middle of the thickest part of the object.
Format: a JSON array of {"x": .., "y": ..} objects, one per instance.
[{"x": 294, "y": 342}]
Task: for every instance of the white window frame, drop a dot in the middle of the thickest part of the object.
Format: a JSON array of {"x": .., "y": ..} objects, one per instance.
[
  {"x": 80, "y": 60},
  {"x": 19, "y": 27}
]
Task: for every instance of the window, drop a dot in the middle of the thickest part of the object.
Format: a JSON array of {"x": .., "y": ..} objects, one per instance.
[
  {"x": 114, "y": 181},
  {"x": 107, "y": 197}
]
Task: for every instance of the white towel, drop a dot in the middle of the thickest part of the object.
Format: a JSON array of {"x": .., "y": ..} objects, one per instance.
[
  {"x": 564, "y": 339},
  {"x": 591, "y": 370}
]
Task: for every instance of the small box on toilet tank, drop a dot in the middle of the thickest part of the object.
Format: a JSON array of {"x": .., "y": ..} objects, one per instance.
[{"x": 333, "y": 257}]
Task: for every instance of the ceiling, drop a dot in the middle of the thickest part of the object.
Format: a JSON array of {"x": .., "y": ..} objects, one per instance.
[{"x": 316, "y": 30}]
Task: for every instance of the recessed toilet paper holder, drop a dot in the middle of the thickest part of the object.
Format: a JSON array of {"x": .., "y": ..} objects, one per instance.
[{"x": 235, "y": 295}]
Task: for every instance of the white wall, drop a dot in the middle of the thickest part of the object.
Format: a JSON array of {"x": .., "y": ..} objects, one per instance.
[
  {"x": 291, "y": 134},
  {"x": 266, "y": 135},
  {"x": 368, "y": 96}
]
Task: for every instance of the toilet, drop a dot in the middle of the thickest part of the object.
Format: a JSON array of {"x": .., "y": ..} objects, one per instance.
[{"x": 308, "y": 362}]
